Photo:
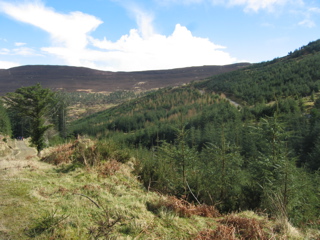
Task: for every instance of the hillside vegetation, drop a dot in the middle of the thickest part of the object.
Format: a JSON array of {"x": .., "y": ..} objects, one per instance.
[
  {"x": 80, "y": 79},
  {"x": 64, "y": 197},
  {"x": 180, "y": 160},
  {"x": 296, "y": 75},
  {"x": 236, "y": 157}
]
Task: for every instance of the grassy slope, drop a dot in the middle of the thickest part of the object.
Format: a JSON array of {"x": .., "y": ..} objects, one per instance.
[
  {"x": 37, "y": 194},
  {"x": 42, "y": 201}
]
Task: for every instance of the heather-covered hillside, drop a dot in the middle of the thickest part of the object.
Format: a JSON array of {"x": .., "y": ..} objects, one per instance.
[{"x": 73, "y": 79}]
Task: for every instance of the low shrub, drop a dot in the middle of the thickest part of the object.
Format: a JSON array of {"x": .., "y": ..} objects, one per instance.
[
  {"x": 60, "y": 154},
  {"x": 88, "y": 153}
]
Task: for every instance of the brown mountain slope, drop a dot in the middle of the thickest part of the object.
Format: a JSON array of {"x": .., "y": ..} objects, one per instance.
[{"x": 85, "y": 79}]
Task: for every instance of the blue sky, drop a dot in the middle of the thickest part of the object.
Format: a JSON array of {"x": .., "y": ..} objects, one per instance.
[{"x": 132, "y": 35}]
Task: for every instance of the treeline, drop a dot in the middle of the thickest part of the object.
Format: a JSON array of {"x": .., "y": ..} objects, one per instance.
[
  {"x": 312, "y": 47},
  {"x": 15, "y": 124},
  {"x": 5, "y": 124},
  {"x": 88, "y": 99},
  {"x": 148, "y": 121},
  {"x": 154, "y": 111},
  {"x": 296, "y": 75}
]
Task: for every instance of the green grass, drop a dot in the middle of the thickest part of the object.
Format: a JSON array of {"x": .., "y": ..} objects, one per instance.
[{"x": 43, "y": 202}]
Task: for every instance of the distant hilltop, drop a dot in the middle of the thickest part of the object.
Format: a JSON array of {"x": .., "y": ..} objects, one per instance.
[{"x": 73, "y": 79}]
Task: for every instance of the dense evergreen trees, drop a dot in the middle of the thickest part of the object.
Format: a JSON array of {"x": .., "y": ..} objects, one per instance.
[
  {"x": 5, "y": 125},
  {"x": 33, "y": 105},
  {"x": 205, "y": 148},
  {"x": 295, "y": 75}
]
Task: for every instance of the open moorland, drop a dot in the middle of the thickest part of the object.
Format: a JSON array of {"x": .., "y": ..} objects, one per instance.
[{"x": 89, "y": 80}]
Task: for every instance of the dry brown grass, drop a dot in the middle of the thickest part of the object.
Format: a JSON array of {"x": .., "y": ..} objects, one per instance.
[
  {"x": 86, "y": 153},
  {"x": 245, "y": 228},
  {"x": 109, "y": 168},
  {"x": 62, "y": 190},
  {"x": 184, "y": 208},
  {"x": 233, "y": 227},
  {"x": 60, "y": 154},
  {"x": 221, "y": 233}
]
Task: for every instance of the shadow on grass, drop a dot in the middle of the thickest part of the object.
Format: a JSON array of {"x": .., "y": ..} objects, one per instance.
[
  {"x": 69, "y": 168},
  {"x": 48, "y": 222}
]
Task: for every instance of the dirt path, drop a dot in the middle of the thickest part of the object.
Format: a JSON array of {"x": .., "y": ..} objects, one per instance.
[
  {"x": 21, "y": 156},
  {"x": 23, "y": 151},
  {"x": 234, "y": 103}
]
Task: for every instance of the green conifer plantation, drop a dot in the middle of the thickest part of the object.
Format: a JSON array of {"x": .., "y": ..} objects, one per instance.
[{"x": 252, "y": 155}]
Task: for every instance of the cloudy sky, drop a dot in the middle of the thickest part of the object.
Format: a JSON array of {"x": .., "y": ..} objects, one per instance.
[{"x": 133, "y": 35}]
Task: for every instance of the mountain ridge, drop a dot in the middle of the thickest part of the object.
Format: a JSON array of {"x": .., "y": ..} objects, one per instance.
[{"x": 90, "y": 80}]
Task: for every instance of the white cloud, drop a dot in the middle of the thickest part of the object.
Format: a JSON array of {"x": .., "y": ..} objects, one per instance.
[
  {"x": 256, "y": 5},
  {"x": 184, "y": 2},
  {"x": 307, "y": 23},
  {"x": 132, "y": 52},
  {"x": 249, "y": 5},
  {"x": 4, "y": 51},
  {"x": 180, "y": 49},
  {"x": 314, "y": 10},
  {"x": 6, "y": 64},
  {"x": 24, "y": 51},
  {"x": 19, "y": 44},
  {"x": 144, "y": 21},
  {"x": 140, "y": 49},
  {"x": 308, "y": 16},
  {"x": 70, "y": 30}
]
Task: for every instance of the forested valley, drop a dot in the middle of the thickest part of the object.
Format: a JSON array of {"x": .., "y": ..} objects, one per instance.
[
  {"x": 236, "y": 157},
  {"x": 243, "y": 140}
]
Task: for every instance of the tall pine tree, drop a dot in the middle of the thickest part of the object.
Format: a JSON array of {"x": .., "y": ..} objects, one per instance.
[{"x": 33, "y": 104}]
